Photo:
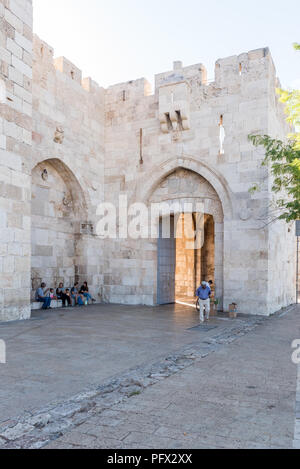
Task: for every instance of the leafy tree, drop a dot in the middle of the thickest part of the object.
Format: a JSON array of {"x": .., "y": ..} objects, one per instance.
[
  {"x": 285, "y": 167},
  {"x": 284, "y": 159}
]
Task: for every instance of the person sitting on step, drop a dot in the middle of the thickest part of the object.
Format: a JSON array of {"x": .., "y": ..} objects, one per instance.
[
  {"x": 84, "y": 290},
  {"x": 79, "y": 299},
  {"x": 68, "y": 297},
  {"x": 42, "y": 296},
  {"x": 62, "y": 295},
  {"x": 52, "y": 295}
]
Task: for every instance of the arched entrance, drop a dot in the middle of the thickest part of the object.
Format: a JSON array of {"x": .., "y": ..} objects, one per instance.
[
  {"x": 195, "y": 259},
  {"x": 58, "y": 211},
  {"x": 195, "y": 249}
]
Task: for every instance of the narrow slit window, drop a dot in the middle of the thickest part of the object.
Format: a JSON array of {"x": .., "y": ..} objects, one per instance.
[
  {"x": 124, "y": 96},
  {"x": 141, "y": 147},
  {"x": 72, "y": 74},
  {"x": 240, "y": 69},
  {"x": 222, "y": 135},
  {"x": 169, "y": 122},
  {"x": 179, "y": 119}
]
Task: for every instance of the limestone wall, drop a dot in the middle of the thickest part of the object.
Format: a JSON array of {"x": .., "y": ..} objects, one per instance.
[
  {"x": 239, "y": 98},
  {"x": 68, "y": 142},
  {"x": 15, "y": 151},
  {"x": 66, "y": 145},
  {"x": 282, "y": 240}
]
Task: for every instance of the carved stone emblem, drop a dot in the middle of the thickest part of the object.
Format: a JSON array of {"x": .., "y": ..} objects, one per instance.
[
  {"x": 68, "y": 201},
  {"x": 59, "y": 135},
  {"x": 245, "y": 212}
]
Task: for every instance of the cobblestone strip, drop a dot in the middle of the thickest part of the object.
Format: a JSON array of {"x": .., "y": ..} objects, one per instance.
[
  {"x": 297, "y": 425},
  {"x": 34, "y": 431}
]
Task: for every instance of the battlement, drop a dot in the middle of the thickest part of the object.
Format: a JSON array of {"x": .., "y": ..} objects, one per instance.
[
  {"x": 68, "y": 68},
  {"x": 44, "y": 55},
  {"x": 42, "y": 50},
  {"x": 124, "y": 91},
  {"x": 255, "y": 64},
  {"x": 180, "y": 73},
  {"x": 89, "y": 85}
]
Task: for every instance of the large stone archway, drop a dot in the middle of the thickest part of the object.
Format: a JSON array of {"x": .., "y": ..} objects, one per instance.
[
  {"x": 182, "y": 188},
  {"x": 214, "y": 178},
  {"x": 59, "y": 213}
]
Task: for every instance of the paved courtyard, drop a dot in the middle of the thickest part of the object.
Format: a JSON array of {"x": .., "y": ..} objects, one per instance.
[
  {"x": 58, "y": 353},
  {"x": 127, "y": 377}
]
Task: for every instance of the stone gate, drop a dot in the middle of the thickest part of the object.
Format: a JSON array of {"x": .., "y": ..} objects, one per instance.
[{"x": 68, "y": 145}]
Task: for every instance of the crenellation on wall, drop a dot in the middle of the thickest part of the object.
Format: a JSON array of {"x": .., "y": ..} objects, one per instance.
[
  {"x": 68, "y": 68},
  {"x": 125, "y": 93},
  {"x": 43, "y": 51},
  {"x": 240, "y": 70},
  {"x": 90, "y": 85},
  {"x": 181, "y": 73}
]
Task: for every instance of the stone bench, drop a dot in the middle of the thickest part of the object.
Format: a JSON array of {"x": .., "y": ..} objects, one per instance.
[
  {"x": 54, "y": 304},
  {"x": 35, "y": 305}
]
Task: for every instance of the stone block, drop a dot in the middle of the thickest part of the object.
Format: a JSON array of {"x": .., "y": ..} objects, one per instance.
[
  {"x": 38, "y": 305},
  {"x": 15, "y": 75},
  {"x": 13, "y": 47},
  {"x": 5, "y": 54}
]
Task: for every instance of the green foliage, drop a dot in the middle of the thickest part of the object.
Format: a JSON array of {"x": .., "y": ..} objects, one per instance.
[
  {"x": 292, "y": 101},
  {"x": 284, "y": 158},
  {"x": 285, "y": 167}
]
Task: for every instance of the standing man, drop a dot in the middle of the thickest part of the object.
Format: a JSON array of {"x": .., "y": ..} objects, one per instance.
[{"x": 203, "y": 294}]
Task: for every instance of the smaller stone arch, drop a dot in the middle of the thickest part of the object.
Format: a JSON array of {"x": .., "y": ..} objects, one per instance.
[
  {"x": 58, "y": 212},
  {"x": 74, "y": 187}
]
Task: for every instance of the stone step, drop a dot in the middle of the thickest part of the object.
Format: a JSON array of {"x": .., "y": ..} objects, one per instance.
[{"x": 38, "y": 305}]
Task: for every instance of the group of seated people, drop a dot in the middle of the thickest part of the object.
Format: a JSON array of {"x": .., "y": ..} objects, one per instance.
[{"x": 80, "y": 296}]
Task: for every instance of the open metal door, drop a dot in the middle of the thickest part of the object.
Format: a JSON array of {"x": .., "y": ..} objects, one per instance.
[{"x": 166, "y": 263}]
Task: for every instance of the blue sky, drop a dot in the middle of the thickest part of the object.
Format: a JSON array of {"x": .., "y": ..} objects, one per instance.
[{"x": 119, "y": 40}]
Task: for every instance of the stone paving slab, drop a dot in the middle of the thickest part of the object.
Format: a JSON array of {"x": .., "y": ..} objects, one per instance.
[
  {"x": 35, "y": 428},
  {"x": 57, "y": 354},
  {"x": 237, "y": 379},
  {"x": 297, "y": 424},
  {"x": 240, "y": 396}
]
